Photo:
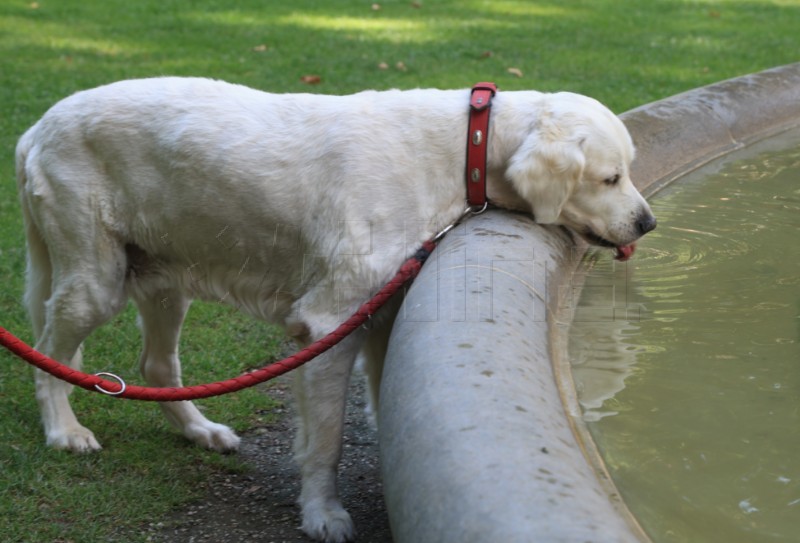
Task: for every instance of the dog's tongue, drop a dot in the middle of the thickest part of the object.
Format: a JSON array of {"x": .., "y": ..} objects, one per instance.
[{"x": 624, "y": 252}]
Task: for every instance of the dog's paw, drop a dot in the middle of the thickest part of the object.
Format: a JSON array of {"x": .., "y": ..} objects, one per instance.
[
  {"x": 77, "y": 439},
  {"x": 329, "y": 523},
  {"x": 213, "y": 436}
]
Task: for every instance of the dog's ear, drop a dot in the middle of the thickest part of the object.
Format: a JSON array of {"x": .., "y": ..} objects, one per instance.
[{"x": 545, "y": 171}]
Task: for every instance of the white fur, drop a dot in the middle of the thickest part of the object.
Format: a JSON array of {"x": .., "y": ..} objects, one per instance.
[{"x": 293, "y": 208}]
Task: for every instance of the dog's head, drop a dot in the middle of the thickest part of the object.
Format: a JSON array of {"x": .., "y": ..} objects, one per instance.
[{"x": 573, "y": 170}]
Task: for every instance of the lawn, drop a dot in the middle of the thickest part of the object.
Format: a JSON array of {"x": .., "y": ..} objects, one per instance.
[{"x": 623, "y": 52}]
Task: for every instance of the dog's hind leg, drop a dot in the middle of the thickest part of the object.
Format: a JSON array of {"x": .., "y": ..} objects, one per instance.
[
  {"x": 75, "y": 280},
  {"x": 161, "y": 317},
  {"x": 77, "y": 305},
  {"x": 61, "y": 427},
  {"x": 320, "y": 392}
]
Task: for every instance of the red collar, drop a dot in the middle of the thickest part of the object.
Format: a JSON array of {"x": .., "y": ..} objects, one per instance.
[{"x": 478, "y": 142}]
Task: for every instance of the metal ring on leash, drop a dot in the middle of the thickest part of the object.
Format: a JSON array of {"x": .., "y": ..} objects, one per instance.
[
  {"x": 117, "y": 378},
  {"x": 472, "y": 209},
  {"x": 468, "y": 212},
  {"x": 444, "y": 231},
  {"x": 368, "y": 324}
]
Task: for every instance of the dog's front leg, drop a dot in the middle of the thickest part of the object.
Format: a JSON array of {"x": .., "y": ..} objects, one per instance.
[{"x": 320, "y": 391}]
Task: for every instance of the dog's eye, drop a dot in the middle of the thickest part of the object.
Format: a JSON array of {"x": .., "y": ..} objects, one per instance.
[{"x": 613, "y": 180}]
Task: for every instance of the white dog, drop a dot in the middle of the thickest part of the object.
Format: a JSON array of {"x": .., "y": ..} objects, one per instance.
[{"x": 293, "y": 208}]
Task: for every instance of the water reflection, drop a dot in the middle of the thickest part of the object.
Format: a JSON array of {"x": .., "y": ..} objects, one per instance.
[
  {"x": 694, "y": 348},
  {"x": 602, "y": 343}
]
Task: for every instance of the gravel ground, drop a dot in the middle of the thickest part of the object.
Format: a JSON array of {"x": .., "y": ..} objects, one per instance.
[{"x": 259, "y": 506}]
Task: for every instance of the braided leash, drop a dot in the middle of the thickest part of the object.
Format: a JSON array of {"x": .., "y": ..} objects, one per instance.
[{"x": 119, "y": 389}]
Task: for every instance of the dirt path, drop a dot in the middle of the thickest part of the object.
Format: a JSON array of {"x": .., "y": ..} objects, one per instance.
[{"x": 259, "y": 506}]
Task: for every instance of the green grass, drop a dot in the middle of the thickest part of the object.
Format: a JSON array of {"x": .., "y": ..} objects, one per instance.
[{"x": 623, "y": 52}]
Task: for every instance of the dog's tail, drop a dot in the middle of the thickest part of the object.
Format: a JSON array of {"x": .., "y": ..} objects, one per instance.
[{"x": 39, "y": 271}]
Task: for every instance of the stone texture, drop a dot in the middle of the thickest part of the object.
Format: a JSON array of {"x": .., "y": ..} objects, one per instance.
[{"x": 476, "y": 437}]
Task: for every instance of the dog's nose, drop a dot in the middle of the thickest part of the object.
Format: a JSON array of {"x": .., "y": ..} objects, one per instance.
[{"x": 645, "y": 223}]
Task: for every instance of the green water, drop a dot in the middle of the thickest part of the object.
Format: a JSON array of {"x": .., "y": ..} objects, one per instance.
[{"x": 687, "y": 358}]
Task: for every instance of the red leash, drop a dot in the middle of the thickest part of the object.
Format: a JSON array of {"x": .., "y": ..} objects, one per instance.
[{"x": 95, "y": 383}]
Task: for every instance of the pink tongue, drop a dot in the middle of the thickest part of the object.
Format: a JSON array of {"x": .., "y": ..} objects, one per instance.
[{"x": 624, "y": 252}]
